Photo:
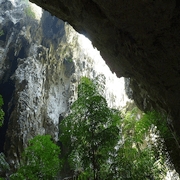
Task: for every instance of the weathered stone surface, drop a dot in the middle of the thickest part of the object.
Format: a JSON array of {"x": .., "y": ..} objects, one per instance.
[{"x": 137, "y": 39}]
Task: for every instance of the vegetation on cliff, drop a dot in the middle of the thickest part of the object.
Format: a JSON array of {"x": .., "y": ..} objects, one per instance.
[
  {"x": 1, "y": 32},
  {"x": 28, "y": 9},
  {"x": 1, "y": 111}
]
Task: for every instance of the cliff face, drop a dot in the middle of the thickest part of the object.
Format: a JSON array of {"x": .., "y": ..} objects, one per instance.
[{"x": 41, "y": 62}]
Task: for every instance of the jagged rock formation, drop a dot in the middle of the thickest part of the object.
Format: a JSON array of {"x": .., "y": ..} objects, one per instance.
[
  {"x": 137, "y": 39},
  {"x": 41, "y": 62}
]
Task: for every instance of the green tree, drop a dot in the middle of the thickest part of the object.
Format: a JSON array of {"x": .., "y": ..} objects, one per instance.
[
  {"x": 1, "y": 111},
  {"x": 101, "y": 145},
  {"x": 90, "y": 131},
  {"x": 40, "y": 160},
  {"x": 137, "y": 158}
]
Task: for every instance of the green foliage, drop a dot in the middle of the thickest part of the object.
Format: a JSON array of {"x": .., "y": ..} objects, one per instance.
[
  {"x": 40, "y": 160},
  {"x": 69, "y": 59},
  {"x": 4, "y": 166},
  {"x": 90, "y": 131},
  {"x": 1, "y": 111},
  {"x": 29, "y": 12},
  {"x": 100, "y": 143},
  {"x": 160, "y": 122},
  {"x": 1, "y": 32},
  {"x": 136, "y": 157}
]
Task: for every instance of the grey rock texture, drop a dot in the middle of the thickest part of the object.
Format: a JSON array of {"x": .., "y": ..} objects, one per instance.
[
  {"x": 139, "y": 40},
  {"x": 41, "y": 62}
]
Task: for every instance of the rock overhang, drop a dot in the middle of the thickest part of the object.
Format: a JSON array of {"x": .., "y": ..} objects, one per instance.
[{"x": 137, "y": 39}]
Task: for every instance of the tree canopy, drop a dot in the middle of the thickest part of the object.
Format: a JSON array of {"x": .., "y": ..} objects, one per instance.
[
  {"x": 90, "y": 131},
  {"x": 40, "y": 160},
  {"x": 102, "y": 143},
  {"x": 138, "y": 156}
]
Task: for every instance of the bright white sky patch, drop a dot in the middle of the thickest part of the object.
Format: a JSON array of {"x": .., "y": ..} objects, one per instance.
[
  {"x": 37, "y": 10},
  {"x": 13, "y": 2},
  {"x": 88, "y": 48},
  {"x": 114, "y": 85}
]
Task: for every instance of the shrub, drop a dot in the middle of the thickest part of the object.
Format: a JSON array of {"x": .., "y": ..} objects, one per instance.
[{"x": 40, "y": 160}]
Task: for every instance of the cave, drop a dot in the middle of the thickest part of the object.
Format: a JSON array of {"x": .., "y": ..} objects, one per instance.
[{"x": 138, "y": 40}]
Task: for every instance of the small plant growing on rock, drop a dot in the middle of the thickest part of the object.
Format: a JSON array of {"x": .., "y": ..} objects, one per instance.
[
  {"x": 1, "y": 32},
  {"x": 29, "y": 12},
  {"x": 1, "y": 111}
]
